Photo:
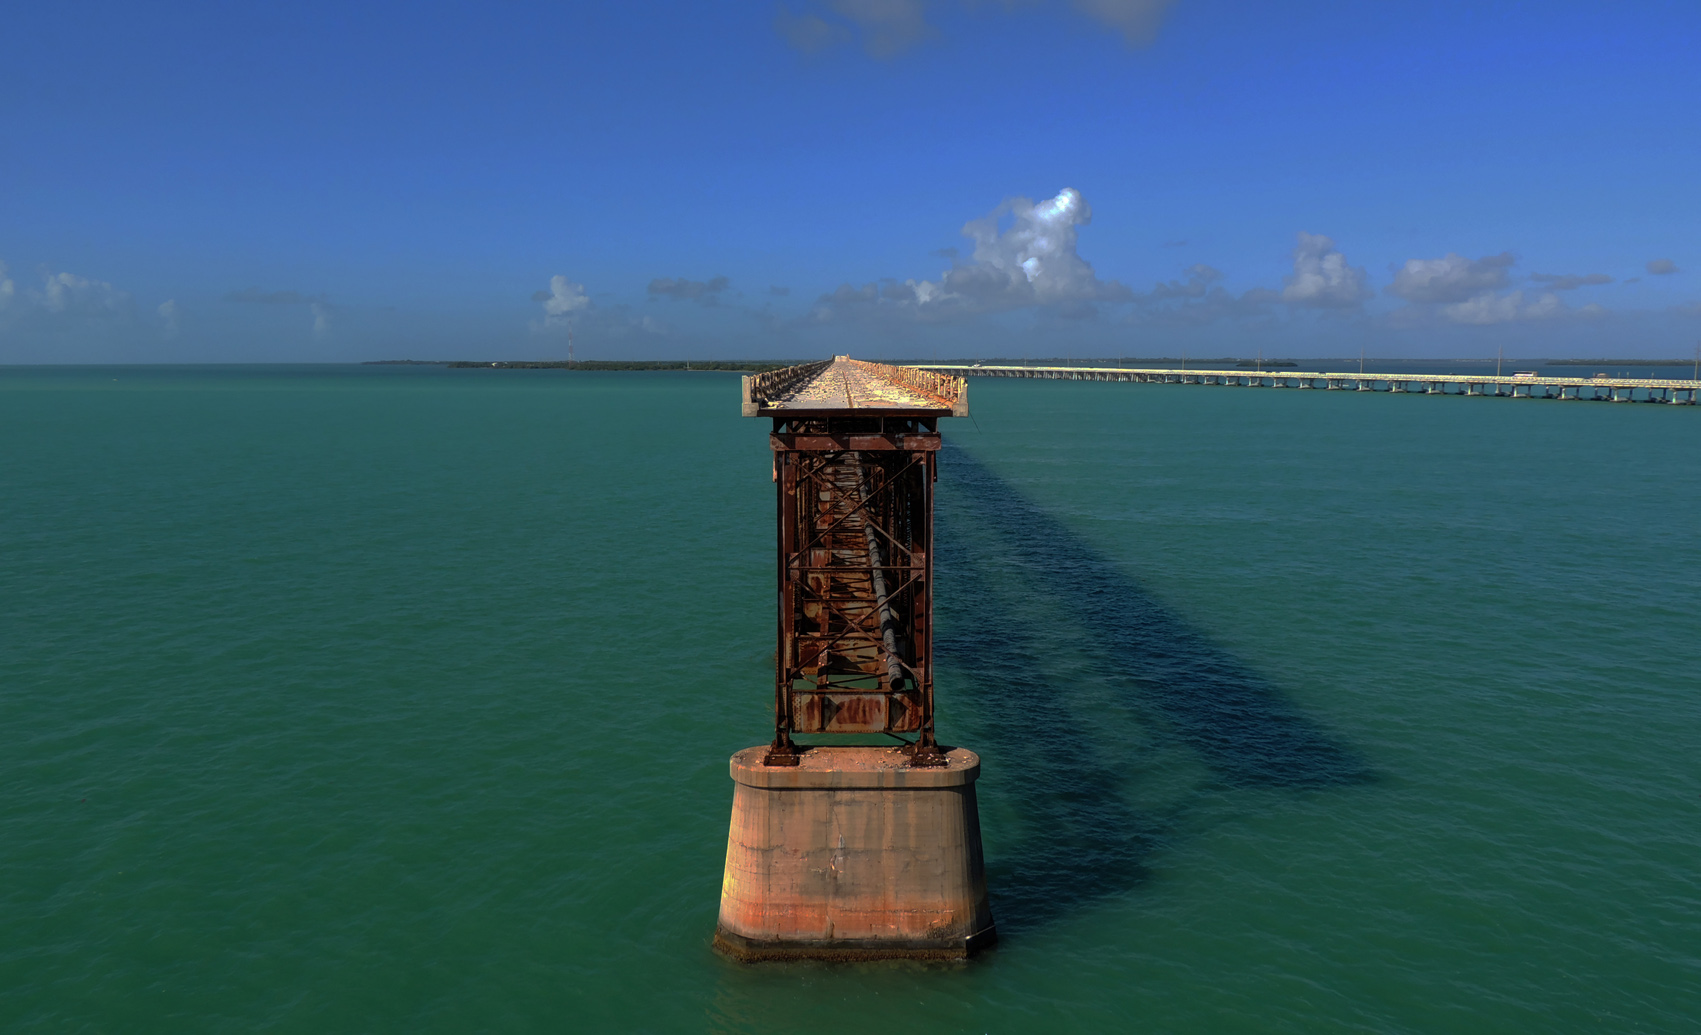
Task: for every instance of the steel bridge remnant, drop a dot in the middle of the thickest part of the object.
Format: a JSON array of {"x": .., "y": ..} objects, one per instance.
[
  {"x": 855, "y": 458},
  {"x": 851, "y": 851}
]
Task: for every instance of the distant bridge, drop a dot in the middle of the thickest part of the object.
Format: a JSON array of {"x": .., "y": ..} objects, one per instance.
[{"x": 1512, "y": 386}]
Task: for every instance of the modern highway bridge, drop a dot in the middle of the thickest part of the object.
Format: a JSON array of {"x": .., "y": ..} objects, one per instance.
[{"x": 1515, "y": 386}]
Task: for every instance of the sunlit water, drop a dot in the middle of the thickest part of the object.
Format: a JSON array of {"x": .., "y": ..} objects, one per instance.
[{"x": 357, "y": 699}]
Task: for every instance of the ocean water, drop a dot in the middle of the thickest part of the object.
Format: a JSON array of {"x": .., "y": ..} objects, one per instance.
[{"x": 399, "y": 699}]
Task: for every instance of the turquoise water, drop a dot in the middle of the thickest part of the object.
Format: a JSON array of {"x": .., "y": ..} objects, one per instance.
[{"x": 356, "y": 699}]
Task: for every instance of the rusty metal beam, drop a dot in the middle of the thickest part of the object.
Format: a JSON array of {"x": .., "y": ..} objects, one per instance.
[{"x": 855, "y": 458}]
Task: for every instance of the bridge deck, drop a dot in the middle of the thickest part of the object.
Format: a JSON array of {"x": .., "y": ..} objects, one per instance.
[
  {"x": 843, "y": 385},
  {"x": 1616, "y": 389}
]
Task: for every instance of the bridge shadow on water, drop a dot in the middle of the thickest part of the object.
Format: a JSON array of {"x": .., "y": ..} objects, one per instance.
[{"x": 1084, "y": 686}]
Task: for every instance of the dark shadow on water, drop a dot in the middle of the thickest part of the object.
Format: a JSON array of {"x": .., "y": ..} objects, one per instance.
[{"x": 1064, "y": 654}]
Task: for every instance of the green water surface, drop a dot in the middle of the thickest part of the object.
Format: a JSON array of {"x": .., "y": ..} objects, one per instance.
[{"x": 399, "y": 699}]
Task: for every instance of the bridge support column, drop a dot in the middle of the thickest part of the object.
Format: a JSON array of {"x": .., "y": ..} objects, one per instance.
[{"x": 853, "y": 854}]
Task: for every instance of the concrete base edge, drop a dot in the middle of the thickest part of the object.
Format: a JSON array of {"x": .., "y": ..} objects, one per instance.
[{"x": 747, "y": 951}]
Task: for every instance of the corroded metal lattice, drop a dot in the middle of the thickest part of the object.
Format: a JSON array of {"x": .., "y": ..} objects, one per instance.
[{"x": 855, "y": 456}]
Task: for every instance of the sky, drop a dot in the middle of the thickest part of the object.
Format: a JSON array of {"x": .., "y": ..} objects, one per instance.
[{"x": 312, "y": 182}]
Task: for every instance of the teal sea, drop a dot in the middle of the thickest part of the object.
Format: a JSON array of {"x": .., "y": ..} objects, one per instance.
[{"x": 353, "y": 699}]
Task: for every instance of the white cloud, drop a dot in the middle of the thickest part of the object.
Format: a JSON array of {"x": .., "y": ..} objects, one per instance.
[
  {"x": 568, "y": 307},
  {"x": 1321, "y": 277},
  {"x": 562, "y": 301},
  {"x": 1032, "y": 260},
  {"x": 321, "y": 319},
  {"x": 171, "y": 316},
  {"x": 7, "y": 288},
  {"x": 1451, "y": 278},
  {"x": 1036, "y": 257},
  {"x": 1489, "y": 308},
  {"x": 69, "y": 293}
]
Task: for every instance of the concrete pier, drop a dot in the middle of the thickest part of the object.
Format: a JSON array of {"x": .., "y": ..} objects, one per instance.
[{"x": 854, "y": 854}]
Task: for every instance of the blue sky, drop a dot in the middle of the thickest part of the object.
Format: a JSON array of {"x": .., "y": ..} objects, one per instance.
[{"x": 324, "y": 182}]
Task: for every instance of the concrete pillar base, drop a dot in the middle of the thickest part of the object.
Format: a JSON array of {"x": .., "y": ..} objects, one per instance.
[{"x": 853, "y": 855}]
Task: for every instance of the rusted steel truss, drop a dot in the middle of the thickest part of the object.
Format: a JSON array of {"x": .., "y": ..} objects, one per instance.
[{"x": 855, "y": 509}]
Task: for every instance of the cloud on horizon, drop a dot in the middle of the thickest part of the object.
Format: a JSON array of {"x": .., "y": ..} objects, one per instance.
[
  {"x": 1451, "y": 278},
  {"x": 1025, "y": 254},
  {"x": 171, "y": 317},
  {"x": 568, "y": 307},
  {"x": 80, "y": 296},
  {"x": 1488, "y": 309},
  {"x": 563, "y": 300},
  {"x": 1322, "y": 279},
  {"x": 1463, "y": 291}
]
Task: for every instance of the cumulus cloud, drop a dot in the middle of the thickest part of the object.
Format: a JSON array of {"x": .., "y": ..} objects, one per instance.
[
  {"x": 1451, "y": 278},
  {"x": 1489, "y": 308},
  {"x": 321, "y": 318},
  {"x": 701, "y": 291},
  {"x": 567, "y": 306},
  {"x": 1321, "y": 277},
  {"x": 171, "y": 317},
  {"x": 69, "y": 293},
  {"x": 1025, "y": 254},
  {"x": 1569, "y": 281},
  {"x": 562, "y": 302},
  {"x": 1661, "y": 267},
  {"x": 1470, "y": 292}
]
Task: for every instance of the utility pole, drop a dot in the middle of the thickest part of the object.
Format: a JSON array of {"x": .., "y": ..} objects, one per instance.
[
  {"x": 1361, "y": 360},
  {"x": 1498, "y": 355}
]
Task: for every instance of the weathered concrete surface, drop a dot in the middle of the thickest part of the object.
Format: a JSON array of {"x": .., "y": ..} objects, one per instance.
[{"x": 854, "y": 855}]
